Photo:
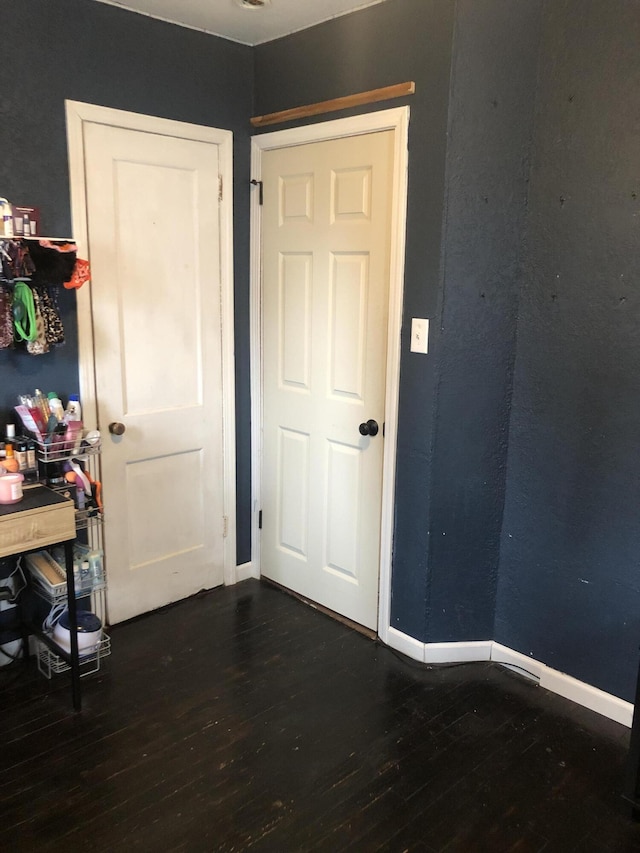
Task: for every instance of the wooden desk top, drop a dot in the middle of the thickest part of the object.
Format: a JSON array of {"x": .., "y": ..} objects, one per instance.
[
  {"x": 43, "y": 517},
  {"x": 35, "y": 497}
]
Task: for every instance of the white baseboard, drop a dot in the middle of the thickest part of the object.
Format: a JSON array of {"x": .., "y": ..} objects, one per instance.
[
  {"x": 551, "y": 679},
  {"x": 245, "y": 571},
  {"x": 509, "y": 657},
  {"x": 457, "y": 652},
  {"x": 438, "y": 652},
  {"x": 585, "y": 694},
  {"x": 409, "y": 646}
]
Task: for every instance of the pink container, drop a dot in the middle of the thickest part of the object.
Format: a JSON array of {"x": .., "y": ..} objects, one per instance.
[{"x": 11, "y": 488}]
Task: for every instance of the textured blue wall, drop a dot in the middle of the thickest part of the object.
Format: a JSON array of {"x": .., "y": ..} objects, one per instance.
[
  {"x": 549, "y": 451},
  {"x": 569, "y": 588},
  {"x": 490, "y": 130},
  {"x": 92, "y": 52},
  {"x": 474, "y": 65}
]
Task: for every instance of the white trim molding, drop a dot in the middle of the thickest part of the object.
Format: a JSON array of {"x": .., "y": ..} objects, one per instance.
[
  {"x": 551, "y": 679},
  {"x": 397, "y": 121},
  {"x": 457, "y": 652},
  {"x": 245, "y": 571},
  {"x": 565, "y": 685},
  {"x": 527, "y": 665},
  {"x": 587, "y": 695},
  {"x": 78, "y": 116},
  {"x": 405, "y": 644},
  {"x": 439, "y": 652}
]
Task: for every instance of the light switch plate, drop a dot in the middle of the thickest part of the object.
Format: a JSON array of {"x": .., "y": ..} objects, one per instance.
[{"x": 419, "y": 335}]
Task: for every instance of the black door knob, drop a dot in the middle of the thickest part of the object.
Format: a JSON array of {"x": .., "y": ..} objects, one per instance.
[{"x": 369, "y": 428}]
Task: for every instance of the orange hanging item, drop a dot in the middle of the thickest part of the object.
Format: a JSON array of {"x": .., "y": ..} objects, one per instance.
[{"x": 81, "y": 274}]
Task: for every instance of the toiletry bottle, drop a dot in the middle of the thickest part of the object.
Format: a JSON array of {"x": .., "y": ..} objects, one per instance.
[
  {"x": 55, "y": 406},
  {"x": 74, "y": 410},
  {"x": 20, "y": 455},
  {"x": 43, "y": 404},
  {"x": 95, "y": 566},
  {"x": 6, "y": 212},
  {"x": 31, "y": 456},
  {"x": 10, "y": 464}
]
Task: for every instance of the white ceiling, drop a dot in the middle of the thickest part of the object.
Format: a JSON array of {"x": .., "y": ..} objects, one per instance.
[{"x": 250, "y": 26}]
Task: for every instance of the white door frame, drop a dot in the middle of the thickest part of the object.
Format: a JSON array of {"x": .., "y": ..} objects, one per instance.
[
  {"x": 77, "y": 115},
  {"x": 396, "y": 120}
]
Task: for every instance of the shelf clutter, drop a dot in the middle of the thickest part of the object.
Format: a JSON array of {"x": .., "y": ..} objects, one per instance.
[
  {"x": 55, "y": 461},
  {"x": 32, "y": 270},
  {"x": 48, "y": 572},
  {"x": 50, "y": 663},
  {"x": 55, "y": 449}
]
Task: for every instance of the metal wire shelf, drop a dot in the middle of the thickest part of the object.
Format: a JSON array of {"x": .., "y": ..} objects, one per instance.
[
  {"x": 51, "y": 458},
  {"x": 49, "y": 663},
  {"x": 62, "y": 449},
  {"x": 58, "y": 593},
  {"x": 89, "y": 579}
]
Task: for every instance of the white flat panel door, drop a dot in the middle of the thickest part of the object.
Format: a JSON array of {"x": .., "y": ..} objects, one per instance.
[
  {"x": 153, "y": 221},
  {"x": 326, "y": 240}
]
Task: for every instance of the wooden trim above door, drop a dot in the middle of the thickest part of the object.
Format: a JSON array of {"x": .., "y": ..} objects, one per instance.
[
  {"x": 396, "y": 120},
  {"x": 78, "y": 114},
  {"x": 371, "y": 96}
]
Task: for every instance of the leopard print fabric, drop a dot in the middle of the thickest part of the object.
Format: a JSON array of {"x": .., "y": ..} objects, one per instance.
[
  {"x": 6, "y": 319},
  {"x": 40, "y": 345},
  {"x": 54, "y": 330}
]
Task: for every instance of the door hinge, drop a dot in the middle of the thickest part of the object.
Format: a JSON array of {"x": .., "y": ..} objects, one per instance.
[
  {"x": 260, "y": 190},
  {"x": 260, "y": 520},
  {"x": 225, "y": 526},
  {"x": 219, "y": 187}
]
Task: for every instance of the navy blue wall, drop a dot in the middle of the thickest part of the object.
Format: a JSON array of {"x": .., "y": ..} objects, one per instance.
[
  {"x": 516, "y": 493},
  {"x": 560, "y": 583},
  {"x": 395, "y": 41},
  {"x": 490, "y": 130},
  {"x": 569, "y": 589},
  {"x": 99, "y": 54},
  {"x": 474, "y": 65}
]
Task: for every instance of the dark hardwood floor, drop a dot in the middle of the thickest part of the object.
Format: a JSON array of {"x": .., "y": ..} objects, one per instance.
[{"x": 244, "y": 720}]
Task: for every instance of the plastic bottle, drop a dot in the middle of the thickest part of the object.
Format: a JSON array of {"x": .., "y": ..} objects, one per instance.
[
  {"x": 6, "y": 213},
  {"x": 74, "y": 410},
  {"x": 73, "y": 435},
  {"x": 43, "y": 404},
  {"x": 20, "y": 454},
  {"x": 10, "y": 464},
  {"x": 55, "y": 406},
  {"x": 85, "y": 574},
  {"x": 81, "y": 570},
  {"x": 10, "y": 441},
  {"x": 95, "y": 565}
]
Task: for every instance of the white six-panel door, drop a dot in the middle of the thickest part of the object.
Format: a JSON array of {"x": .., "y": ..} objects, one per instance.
[
  {"x": 154, "y": 242},
  {"x": 326, "y": 244}
]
